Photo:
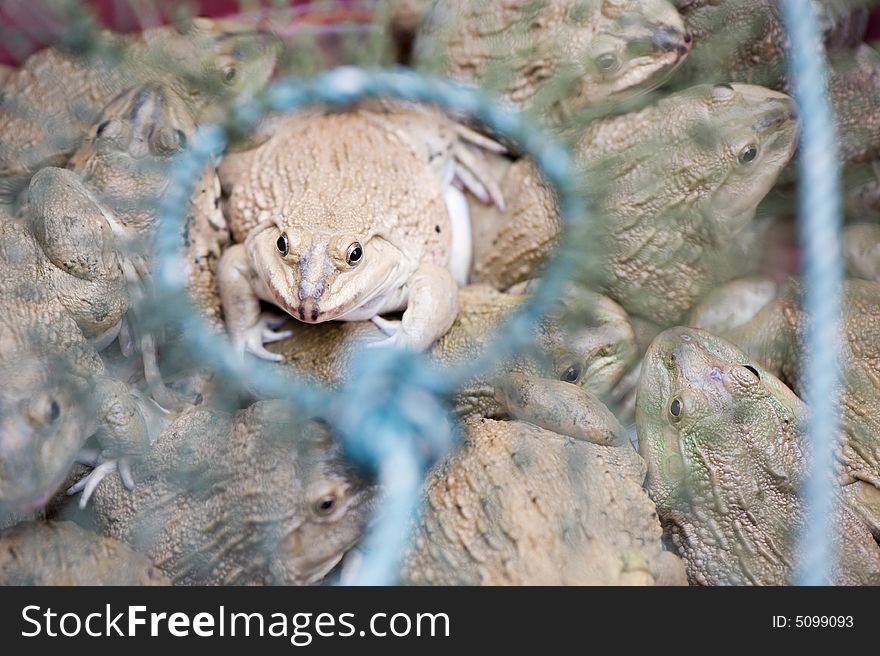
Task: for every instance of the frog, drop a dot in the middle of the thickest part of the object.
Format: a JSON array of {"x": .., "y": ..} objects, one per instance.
[
  {"x": 745, "y": 40},
  {"x": 261, "y": 496},
  {"x": 49, "y": 103},
  {"x": 349, "y": 216},
  {"x": 59, "y": 306},
  {"x": 775, "y": 337},
  {"x": 675, "y": 189},
  {"x": 555, "y": 59},
  {"x": 64, "y": 553},
  {"x": 521, "y": 505},
  {"x": 726, "y": 450},
  {"x": 582, "y": 348},
  {"x": 124, "y": 162}
]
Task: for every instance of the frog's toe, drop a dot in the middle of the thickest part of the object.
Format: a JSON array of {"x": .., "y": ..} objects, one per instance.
[
  {"x": 390, "y": 328},
  {"x": 274, "y": 321},
  {"x": 89, "y": 483}
]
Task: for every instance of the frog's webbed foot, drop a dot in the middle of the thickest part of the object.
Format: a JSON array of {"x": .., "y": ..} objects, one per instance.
[
  {"x": 89, "y": 483},
  {"x": 430, "y": 311},
  {"x": 252, "y": 340},
  {"x": 471, "y": 169}
]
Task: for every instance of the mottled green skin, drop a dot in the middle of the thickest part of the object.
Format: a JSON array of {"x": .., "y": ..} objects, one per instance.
[
  {"x": 725, "y": 444},
  {"x": 47, "y": 106},
  {"x": 775, "y": 337},
  {"x": 239, "y": 500},
  {"x": 62, "y": 553}
]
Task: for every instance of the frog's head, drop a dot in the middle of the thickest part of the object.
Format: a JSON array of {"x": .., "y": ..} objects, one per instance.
[
  {"x": 322, "y": 275},
  {"x": 217, "y": 59},
  {"x": 45, "y": 418},
  {"x": 720, "y": 435},
  {"x": 590, "y": 341},
  {"x": 146, "y": 121},
  {"x": 322, "y": 503},
  {"x": 745, "y": 135},
  {"x": 636, "y": 45}
]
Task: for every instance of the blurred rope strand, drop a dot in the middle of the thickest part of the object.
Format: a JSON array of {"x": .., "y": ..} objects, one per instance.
[{"x": 819, "y": 216}]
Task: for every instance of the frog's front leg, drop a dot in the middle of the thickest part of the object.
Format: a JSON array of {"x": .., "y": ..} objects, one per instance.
[
  {"x": 430, "y": 311},
  {"x": 248, "y": 328},
  {"x": 128, "y": 423},
  {"x": 560, "y": 407}
]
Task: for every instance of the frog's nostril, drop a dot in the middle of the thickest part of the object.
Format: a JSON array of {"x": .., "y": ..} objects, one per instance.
[
  {"x": 669, "y": 39},
  {"x": 685, "y": 337}
]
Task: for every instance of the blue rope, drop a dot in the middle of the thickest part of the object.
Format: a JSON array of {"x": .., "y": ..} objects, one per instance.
[
  {"x": 392, "y": 416},
  {"x": 819, "y": 214}
]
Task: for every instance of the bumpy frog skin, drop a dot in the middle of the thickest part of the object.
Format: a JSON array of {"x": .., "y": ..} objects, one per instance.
[
  {"x": 775, "y": 337},
  {"x": 676, "y": 183},
  {"x": 125, "y": 161},
  {"x": 58, "y": 396},
  {"x": 557, "y": 56},
  {"x": 586, "y": 345},
  {"x": 262, "y": 497},
  {"x": 48, "y": 105},
  {"x": 724, "y": 442},
  {"x": 62, "y": 553},
  {"x": 745, "y": 40},
  {"x": 519, "y": 505},
  {"x": 351, "y": 215}
]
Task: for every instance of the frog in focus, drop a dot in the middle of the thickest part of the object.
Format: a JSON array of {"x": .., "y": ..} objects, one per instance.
[
  {"x": 48, "y": 105},
  {"x": 351, "y": 215},
  {"x": 724, "y": 440}
]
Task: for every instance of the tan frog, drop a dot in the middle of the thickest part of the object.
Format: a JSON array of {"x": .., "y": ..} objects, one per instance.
[
  {"x": 556, "y": 57},
  {"x": 47, "y": 106},
  {"x": 352, "y": 215},
  {"x": 725, "y": 444},
  {"x": 260, "y": 497},
  {"x": 519, "y": 505}
]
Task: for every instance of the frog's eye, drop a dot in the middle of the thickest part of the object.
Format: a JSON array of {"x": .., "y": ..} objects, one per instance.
[
  {"x": 110, "y": 129},
  {"x": 282, "y": 244},
  {"x": 229, "y": 74},
  {"x": 608, "y": 62},
  {"x": 181, "y": 139},
  {"x": 42, "y": 411},
  {"x": 753, "y": 370},
  {"x": 571, "y": 374},
  {"x": 676, "y": 409},
  {"x": 325, "y": 505},
  {"x": 748, "y": 154},
  {"x": 354, "y": 254}
]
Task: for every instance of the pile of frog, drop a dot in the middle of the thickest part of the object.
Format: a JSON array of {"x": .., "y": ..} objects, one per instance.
[{"x": 393, "y": 225}]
